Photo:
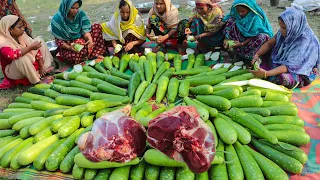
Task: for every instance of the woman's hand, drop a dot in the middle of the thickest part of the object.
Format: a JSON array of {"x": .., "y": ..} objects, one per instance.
[
  {"x": 254, "y": 59},
  {"x": 260, "y": 73},
  {"x": 89, "y": 43},
  {"x": 237, "y": 44},
  {"x": 187, "y": 31},
  {"x": 71, "y": 48},
  {"x": 129, "y": 46},
  {"x": 35, "y": 45},
  {"x": 225, "y": 44},
  {"x": 148, "y": 36},
  {"x": 161, "y": 39},
  {"x": 200, "y": 36},
  {"x": 42, "y": 71}
]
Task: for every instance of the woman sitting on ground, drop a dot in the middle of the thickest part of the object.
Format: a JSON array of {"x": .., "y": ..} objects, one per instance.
[
  {"x": 125, "y": 27},
  {"x": 9, "y": 7},
  {"x": 70, "y": 26},
  {"x": 20, "y": 56},
  {"x": 206, "y": 24},
  {"x": 247, "y": 27},
  {"x": 164, "y": 22},
  {"x": 295, "y": 49}
]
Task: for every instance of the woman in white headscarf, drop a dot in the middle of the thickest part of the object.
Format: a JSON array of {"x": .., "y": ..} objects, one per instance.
[{"x": 164, "y": 22}]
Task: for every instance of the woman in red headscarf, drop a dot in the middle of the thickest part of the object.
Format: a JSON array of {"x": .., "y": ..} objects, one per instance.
[
  {"x": 164, "y": 22},
  {"x": 206, "y": 24}
]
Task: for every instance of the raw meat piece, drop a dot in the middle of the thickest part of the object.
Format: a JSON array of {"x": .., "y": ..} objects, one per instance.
[
  {"x": 182, "y": 135},
  {"x": 115, "y": 137}
]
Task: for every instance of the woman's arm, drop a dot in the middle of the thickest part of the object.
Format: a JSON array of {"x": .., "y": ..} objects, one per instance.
[
  {"x": 246, "y": 41},
  {"x": 13, "y": 54},
  {"x": 170, "y": 33},
  {"x": 276, "y": 71},
  {"x": 64, "y": 45},
  {"x": 273, "y": 72},
  {"x": 25, "y": 50},
  {"x": 206, "y": 34},
  {"x": 67, "y": 47},
  {"x": 138, "y": 42},
  {"x": 33, "y": 46},
  {"x": 266, "y": 47},
  {"x": 88, "y": 38},
  {"x": 167, "y": 36},
  {"x": 130, "y": 45},
  {"x": 114, "y": 43},
  {"x": 241, "y": 44}
]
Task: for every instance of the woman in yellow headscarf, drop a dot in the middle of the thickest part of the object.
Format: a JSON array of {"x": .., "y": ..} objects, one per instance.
[{"x": 125, "y": 27}]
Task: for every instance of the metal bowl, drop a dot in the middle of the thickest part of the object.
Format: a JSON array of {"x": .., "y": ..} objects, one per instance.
[{"x": 52, "y": 46}]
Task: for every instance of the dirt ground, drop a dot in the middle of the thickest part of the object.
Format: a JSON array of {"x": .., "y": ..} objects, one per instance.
[{"x": 39, "y": 13}]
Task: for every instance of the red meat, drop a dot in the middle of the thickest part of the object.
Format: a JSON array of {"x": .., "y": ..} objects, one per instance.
[
  {"x": 115, "y": 137},
  {"x": 182, "y": 135}
]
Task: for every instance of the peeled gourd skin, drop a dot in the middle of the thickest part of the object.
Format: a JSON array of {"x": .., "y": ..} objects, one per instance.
[
  {"x": 78, "y": 47},
  {"x": 191, "y": 38},
  {"x": 118, "y": 48}
]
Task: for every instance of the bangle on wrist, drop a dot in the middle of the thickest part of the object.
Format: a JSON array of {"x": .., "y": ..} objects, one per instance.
[{"x": 265, "y": 74}]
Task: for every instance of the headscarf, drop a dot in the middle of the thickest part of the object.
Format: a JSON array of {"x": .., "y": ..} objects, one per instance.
[
  {"x": 254, "y": 23},
  {"x": 299, "y": 51},
  {"x": 170, "y": 17},
  {"x": 65, "y": 29},
  {"x": 6, "y": 40},
  {"x": 116, "y": 29},
  {"x": 212, "y": 20},
  {"x": 205, "y": 2}
]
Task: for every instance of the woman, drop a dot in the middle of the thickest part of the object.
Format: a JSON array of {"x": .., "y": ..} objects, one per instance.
[
  {"x": 295, "y": 52},
  {"x": 125, "y": 27},
  {"x": 70, "y": 26},
  {"x": 164, "y": 22},
  {"x": 9, "y": 7},
  {"x": 206, "y": 24},
  {"x": 21, "y": 56},
  {"x": 247, "y": 27}
]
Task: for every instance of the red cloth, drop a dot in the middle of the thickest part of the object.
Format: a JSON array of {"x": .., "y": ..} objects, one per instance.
[{"x": 7, "y": 55}]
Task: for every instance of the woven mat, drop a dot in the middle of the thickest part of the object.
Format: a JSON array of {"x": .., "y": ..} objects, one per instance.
[
  {"x": 309, "y": 110},
  {"x": 30, "y": 173},
  {"x": 307, "y": 100},
  {"x": 314, "y": 87}
]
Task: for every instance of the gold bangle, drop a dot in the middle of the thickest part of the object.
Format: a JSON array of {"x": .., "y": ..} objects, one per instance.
[{"x": 265, "y": 74}]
